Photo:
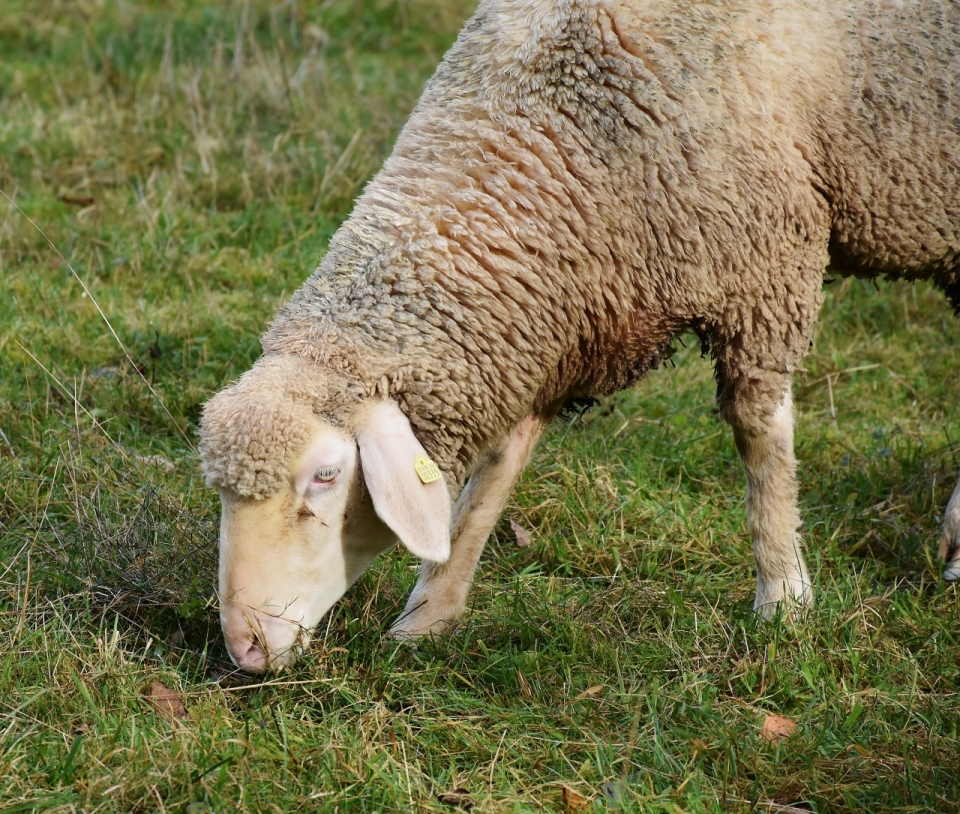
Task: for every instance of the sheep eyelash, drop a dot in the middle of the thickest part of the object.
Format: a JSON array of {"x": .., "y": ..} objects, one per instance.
[{"x": 326, "y": 474}]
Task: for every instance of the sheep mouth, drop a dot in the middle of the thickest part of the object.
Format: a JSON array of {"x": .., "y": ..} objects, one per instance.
[{"x": 258, "y": 641}]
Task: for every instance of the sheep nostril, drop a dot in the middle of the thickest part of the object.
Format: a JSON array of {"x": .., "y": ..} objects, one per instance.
[
  {"x": 254, "y": 660},
  {"x": 259, "y": 642}
]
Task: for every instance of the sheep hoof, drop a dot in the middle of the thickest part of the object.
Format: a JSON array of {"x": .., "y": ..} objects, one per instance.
[
  {"x": 423, "y": 621},
  {"x": 950, "y": 549},
  {"x": 769, "y": 610},
  {"x": 792, "y": 595}
]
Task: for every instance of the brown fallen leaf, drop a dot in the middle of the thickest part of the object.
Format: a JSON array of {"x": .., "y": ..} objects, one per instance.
[
  {"x": 457, "y": 797},
  {"x": 573, "y": 801},
  {"x": 860, "y": 750},
  {"x": 166, "y": 701},
  {"x": 522, "y": 535},
  {"x": 596, "y": 689},
  {"x": 776, "y": 727},
  {"x": 85, "y": 200}
]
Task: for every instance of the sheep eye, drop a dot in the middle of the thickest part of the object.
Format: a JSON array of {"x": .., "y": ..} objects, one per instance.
[{"x": 326, "y": 474}]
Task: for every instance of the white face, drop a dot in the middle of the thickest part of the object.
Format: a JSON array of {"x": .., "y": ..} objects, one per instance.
[{"x": 286, "y": 559}]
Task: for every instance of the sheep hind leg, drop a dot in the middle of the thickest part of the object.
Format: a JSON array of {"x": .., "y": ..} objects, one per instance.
[
  {"x": 440, "y": 596},
  {"x": 950, "y": 539},
  {"x": 773, "y": 518}
]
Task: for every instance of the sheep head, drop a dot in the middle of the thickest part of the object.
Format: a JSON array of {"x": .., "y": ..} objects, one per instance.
[{"x": 307, "y": 503}]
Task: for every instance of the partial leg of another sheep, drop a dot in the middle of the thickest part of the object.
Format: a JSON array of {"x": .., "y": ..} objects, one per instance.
[
  {"x": 440, "y": 596},
  {"x": 950, "y": 541},
  {"x": 766, "y": 450}
]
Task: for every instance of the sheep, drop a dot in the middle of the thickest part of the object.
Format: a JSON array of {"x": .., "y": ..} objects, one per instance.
[{"x": 581, "y": 182}]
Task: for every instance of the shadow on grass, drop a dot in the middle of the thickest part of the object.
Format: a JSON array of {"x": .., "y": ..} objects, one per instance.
[{"x": 145, "y": 565}]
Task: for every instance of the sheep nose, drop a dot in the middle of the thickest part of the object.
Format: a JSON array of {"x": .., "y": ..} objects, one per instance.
[
  {"x": 258, "y": 642},
  {"x": 253, "y": 660}
]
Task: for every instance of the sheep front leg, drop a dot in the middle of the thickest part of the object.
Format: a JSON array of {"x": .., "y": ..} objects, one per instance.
[
  {"x": 950, "y": 540},
  {"x": 773, "y": 518},
  {"x": 440, "y": 596}
]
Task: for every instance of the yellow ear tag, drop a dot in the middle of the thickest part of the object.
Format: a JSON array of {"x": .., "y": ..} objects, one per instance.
[{"x": 426, "y": 469}]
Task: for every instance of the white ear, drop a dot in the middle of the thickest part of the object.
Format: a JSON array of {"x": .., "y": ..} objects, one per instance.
[{"x": 417, "y": 512}]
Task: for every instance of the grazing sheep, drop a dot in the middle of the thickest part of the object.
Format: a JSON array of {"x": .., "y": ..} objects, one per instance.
[{"x": 582, "y": 181}]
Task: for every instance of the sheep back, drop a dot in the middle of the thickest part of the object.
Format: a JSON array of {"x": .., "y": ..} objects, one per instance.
[{"x": 583, "y": 180}]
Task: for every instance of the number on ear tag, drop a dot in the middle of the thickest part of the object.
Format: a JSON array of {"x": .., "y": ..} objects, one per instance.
[{"x": 426, "y": 469}]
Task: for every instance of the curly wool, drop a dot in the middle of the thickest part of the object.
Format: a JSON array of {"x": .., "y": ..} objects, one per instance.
[
  {"x": 250, "y": 432},
  {"x": 584, "y": 180}
]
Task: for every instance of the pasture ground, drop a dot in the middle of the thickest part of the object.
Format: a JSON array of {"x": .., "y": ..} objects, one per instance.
[{"x": 191, "y": 162}]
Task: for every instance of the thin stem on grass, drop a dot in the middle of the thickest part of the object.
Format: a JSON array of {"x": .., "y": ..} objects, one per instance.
[{"x": 106, "y": 320}]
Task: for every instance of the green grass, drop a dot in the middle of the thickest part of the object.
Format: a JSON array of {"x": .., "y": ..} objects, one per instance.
[{"x": 191, "y": 163}]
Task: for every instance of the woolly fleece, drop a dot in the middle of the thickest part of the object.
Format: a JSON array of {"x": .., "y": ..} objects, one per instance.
[{"x": 581, "y": 182}]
